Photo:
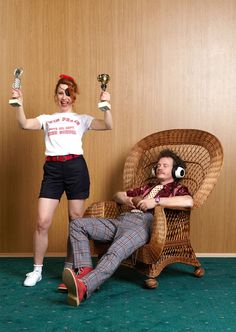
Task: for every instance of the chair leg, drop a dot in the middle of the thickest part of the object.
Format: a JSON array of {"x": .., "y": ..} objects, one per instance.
[
  {"x": 199, "y": 272},
  {"x": 151, "y": 283}
]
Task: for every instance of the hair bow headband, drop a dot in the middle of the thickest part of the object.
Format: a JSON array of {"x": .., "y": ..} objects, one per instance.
[{"x": 67, "y": 77}]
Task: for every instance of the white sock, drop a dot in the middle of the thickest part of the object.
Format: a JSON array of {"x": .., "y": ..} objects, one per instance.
[{"x": 38, "y": 268}]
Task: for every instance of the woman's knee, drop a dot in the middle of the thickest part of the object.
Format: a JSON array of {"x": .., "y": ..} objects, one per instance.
[{"x": 43, "y": 224}]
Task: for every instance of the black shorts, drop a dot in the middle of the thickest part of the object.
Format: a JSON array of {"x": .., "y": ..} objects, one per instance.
[{"x": 70, "y": 176}]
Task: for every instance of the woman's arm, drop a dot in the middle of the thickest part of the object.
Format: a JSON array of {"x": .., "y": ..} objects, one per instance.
[
  {"x": 106, "y": 123},
  {"x": 30, "y": 124}
]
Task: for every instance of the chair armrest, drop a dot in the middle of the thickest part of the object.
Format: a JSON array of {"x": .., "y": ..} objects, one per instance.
[
  {"x": 107, "y": 209},
  {"x": 150, "y": 252},
  {"x": 163, "y": 219},
  {"x": 176, "y": 208}
]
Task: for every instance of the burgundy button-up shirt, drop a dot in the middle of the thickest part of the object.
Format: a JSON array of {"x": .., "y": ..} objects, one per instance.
[{"x": 169, "y": 190}]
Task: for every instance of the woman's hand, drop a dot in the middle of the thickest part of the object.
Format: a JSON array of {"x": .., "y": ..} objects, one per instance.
[
  {"x": 105, "y": 96},
  {"x": 17, "y": 94}
]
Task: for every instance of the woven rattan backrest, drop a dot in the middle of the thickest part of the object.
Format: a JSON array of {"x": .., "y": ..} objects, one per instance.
[{"x": 201, "y": 151}]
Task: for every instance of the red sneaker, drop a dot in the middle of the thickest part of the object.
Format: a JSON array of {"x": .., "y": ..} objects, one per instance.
[
  {"x": 82, "y": 272},
  {"x": 76, "y": 288}
]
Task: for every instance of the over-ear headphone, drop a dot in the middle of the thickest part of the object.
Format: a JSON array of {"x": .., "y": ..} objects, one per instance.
[{"x": 178, "y": 172}]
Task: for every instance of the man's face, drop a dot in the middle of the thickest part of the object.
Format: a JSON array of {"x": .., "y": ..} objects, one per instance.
[{"x": 164, "y": 170}]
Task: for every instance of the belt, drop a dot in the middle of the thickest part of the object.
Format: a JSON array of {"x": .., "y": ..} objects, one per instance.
[
  {"x": 62, "y": 158},
  {"x": 136, "y": 211}
]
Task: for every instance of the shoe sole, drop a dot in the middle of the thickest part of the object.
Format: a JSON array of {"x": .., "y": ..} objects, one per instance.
[
  {"x": 62, "y": 289},
  {"x": 69, "y": 279},
  {"x": 80, "y": 276}
]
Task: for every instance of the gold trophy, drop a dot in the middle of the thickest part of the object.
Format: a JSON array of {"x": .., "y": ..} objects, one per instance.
[
  {"x": 104, "y": 79},
  {"x": 16, "y": 85}
]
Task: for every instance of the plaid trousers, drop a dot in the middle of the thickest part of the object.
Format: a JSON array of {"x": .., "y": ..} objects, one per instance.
[{"x": 127, "y": 233}]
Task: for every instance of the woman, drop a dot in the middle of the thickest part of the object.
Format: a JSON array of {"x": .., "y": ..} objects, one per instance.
[{"x": 65, "y": 168}]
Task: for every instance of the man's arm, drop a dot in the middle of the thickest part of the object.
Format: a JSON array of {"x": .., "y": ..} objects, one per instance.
[
  {"x": 185, "y": 201},
  {"x": 121, "y": 198}
]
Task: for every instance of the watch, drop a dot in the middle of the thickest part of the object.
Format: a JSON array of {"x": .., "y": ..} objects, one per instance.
[{"x": 157, "y": 199}]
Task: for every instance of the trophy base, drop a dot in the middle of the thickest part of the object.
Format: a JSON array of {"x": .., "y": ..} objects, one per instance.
[
  {"x": 104, "y": 106},
  {"x": 15, "y": 103}
]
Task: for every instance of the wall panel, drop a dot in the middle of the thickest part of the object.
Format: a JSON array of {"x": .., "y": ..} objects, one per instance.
[{"x": 172, "y": 65}]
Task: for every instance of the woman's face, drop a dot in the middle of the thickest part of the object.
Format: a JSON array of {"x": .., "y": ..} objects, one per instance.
[{"x": 63, "y": 99}]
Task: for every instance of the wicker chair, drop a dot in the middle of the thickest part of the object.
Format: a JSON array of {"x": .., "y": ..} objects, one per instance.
[{"x": 170, "y": 239}]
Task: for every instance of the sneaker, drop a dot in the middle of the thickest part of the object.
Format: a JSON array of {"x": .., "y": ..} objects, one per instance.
[
  {"x": 76, "y": 288},
  {"x": 32, "y": 278},
  {"x": 82, "y": 272}
]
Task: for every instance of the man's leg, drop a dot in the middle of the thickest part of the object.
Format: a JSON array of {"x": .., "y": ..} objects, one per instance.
[
  {"x": 132, "y": 233},
  {"x": 81, "y": 230},
  {"x": 84, "y": 229}
]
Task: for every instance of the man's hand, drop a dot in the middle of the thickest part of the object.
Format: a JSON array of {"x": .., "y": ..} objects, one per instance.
[
  {"x": 129, "y": 202},
  {"x": 121, "y": 198},
  {"x": 146, "y": 204},
  {"x": 136, "y": 200}
]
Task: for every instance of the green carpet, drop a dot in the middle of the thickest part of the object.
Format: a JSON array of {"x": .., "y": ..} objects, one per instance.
[{"x": 182, "y": 302}]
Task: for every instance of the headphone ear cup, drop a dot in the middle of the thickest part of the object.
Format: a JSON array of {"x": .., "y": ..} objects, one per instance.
[{"x": 179, "y": 172}]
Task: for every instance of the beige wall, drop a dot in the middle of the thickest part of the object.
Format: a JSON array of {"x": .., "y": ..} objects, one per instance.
[{"x": 172, "y": 65}]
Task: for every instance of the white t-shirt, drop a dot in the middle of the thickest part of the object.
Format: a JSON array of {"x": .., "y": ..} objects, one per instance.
[{"x": 64, "y": 132}]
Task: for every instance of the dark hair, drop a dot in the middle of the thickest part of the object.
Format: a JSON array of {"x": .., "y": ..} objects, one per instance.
[
  {"x": 177, "y": 161},
  {"x": 72, "y": 86}
]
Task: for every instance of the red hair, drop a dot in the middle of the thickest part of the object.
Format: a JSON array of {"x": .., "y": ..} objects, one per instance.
[{"x": 72, "y": 86}]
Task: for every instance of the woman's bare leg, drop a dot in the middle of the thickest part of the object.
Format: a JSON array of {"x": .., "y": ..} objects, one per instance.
[{"x": 46, "y": 209}]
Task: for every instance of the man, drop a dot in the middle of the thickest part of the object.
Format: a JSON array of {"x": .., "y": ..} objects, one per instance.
[{"x": 127, "y": 233}]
